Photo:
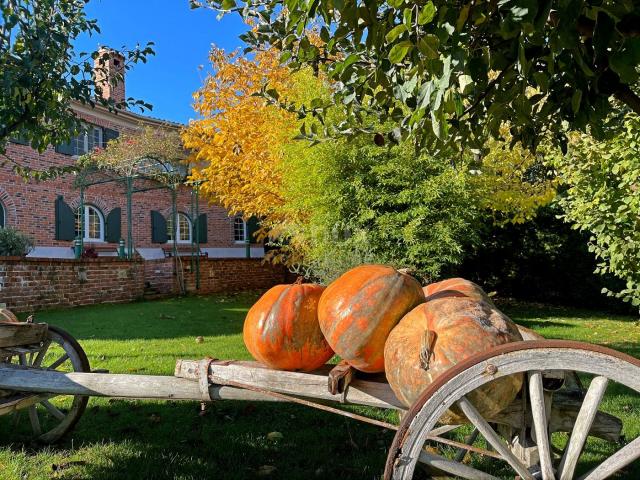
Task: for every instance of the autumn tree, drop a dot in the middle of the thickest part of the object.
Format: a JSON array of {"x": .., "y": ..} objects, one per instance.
[{"x": 239, "y": 142}]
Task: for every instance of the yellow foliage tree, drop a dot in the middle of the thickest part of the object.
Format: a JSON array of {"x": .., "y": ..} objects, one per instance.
[
  {"x": 511, "y": 182},
  {"x": 239, "y": 141}
]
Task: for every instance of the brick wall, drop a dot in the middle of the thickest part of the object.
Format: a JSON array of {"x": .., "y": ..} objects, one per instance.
[
  {"x": 234, "y": 275},
  {"x": 29, "y": 284}
]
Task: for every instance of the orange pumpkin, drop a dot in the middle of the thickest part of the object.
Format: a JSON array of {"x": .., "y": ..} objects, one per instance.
[
  {"x": 359, "y": 309},
  {"x": 437, "y": 335},
  {"x": 456, "y": 287},
  {"x": 281, "y": 329}
]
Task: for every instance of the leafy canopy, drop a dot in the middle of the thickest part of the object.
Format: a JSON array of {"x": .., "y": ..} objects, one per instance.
[
  {"x": 453, "y": 72},
  {"x": 602, "y": 198},
  {"x": 41, "y": 73}
]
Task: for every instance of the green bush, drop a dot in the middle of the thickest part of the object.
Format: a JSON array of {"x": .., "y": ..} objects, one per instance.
[
  {"x": 14, "y": 243},
  {"x": 366, "y": 204}
]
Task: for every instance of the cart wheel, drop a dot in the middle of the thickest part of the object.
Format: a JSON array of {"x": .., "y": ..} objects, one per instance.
[
  {"x": 54, "y": 416},
  {"x": 532, "y": 358}
]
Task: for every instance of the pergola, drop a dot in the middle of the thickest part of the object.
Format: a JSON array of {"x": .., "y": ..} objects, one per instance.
[{"x": 140, "y": 163}]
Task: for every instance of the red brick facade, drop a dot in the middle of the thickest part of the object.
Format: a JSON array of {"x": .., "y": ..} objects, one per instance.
[
  {"x": 29, "y": 207},
  {"x": 28, "y": 285}
]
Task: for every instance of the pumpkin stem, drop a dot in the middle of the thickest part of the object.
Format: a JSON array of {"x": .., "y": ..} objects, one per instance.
[
  {"x": 427, "y": 349},
  {"x": 406, "y": 271},
  {"x": 299, "y": 280}
]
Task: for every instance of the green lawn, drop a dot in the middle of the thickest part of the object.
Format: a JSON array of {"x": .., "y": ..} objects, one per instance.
[{"x": 160, "y": 440}]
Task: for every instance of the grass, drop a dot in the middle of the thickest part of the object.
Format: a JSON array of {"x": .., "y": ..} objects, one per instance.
[{"x": 160, "y": 440}]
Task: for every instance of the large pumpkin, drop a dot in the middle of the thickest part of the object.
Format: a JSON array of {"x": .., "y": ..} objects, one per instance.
[
  {"x": 437, "y": 335},
  {"x": 359, "y": 309},
  {"x": 456, "y": 287},
  {"x": 281, "y": 329}
]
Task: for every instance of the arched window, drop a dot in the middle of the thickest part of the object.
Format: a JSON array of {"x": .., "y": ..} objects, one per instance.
[
  {"x": 3, "y": 215},
  {"x": 183, "y": 232},
  {"x": 90, "y": 221},
  {"x": 239, "y": 230}
]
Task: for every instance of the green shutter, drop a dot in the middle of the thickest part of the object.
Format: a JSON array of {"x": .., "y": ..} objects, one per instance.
[
  {"x": 107, "y": 135},
  {"x": 158, "y": 228},
  {"x": 201, "y": 224},
  {"x": 253, "y": 225},
  {"x": 66, "y": 148},
  {"x": 65, "y": 220},
  {"x": 20, "y": 140},
  {"x": 112, "y": 226}
]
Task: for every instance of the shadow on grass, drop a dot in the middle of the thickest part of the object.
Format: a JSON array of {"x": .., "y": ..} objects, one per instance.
[{"x": 136, "y": 440}]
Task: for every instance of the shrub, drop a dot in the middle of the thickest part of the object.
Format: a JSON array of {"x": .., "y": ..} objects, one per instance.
[{"x": 14, "y": 243}]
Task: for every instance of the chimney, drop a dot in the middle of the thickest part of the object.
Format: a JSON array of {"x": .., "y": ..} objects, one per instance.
[{"x": 108, "y": 72}]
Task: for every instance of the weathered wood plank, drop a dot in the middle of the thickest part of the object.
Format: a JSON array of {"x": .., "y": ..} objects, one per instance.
[
  {"x": 581, "y": 428},
  {"x": 563, "y": 416},
  {"x": 539, "y": 413},
  {"x": 22, "y": 379},
  {"x": 306, "y": 385},
  {"x": 17, "y": 334},
  {"x": 492, "y": 437},
  {"x": 455, "y": 468}
]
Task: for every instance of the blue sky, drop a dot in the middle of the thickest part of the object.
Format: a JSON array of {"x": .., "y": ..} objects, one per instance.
[{"x": 183, "y": 38}]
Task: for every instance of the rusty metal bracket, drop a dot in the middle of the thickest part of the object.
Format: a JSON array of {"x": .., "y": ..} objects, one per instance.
[{"x": 339, "y": 379}]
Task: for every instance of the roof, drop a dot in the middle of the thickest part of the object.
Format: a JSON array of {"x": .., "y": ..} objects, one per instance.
[{"x": 125, "y": 116}]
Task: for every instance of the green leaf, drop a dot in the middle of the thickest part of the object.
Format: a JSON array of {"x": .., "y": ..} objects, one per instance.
[
  {"x": 395, "y": 32},
  {"x": 399, "y": 51},
  {"x": 228, "y": 4},
  {"x": 428, "y": 46},
  {"x": 427, "y": 13},
  {"x": 575, "y": 100}
]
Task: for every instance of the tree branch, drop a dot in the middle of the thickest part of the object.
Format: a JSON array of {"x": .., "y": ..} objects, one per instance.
[{"x": 628, "y": 97}]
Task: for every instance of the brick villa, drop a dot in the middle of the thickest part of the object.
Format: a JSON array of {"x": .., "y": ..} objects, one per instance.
[
  {"x": 49, "y": 213},
  {"x": 34, "y": 208}
]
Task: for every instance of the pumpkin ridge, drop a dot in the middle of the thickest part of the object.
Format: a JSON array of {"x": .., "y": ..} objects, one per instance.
[
  {"x": 274, "y": 315},
  {"x": 345, "y": 313},
  {"x": 373, "y": 320}
]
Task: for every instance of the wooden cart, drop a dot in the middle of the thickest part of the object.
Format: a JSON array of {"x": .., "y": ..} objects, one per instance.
[{"x": 39, "y": 363}]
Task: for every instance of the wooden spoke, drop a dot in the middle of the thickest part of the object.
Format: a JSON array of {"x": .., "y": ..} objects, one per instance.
[
  {"x": 35, "y": 421},
  {"x": 581, "y": 429},
  {"x": 23, "y": 358},
  {"x": 617, "y": 461},
  {"x": 452, "y": 467},
  {"x": 538, "y": 411},
  {"x": 53, "y": 410},
  {"x": 38, "y": 361},
  {"x": 462, "y": 452},
  {"x": 436, "y": 432},
  {"x": 59, "y": 361},
  {"x": 492, "y": 437}
]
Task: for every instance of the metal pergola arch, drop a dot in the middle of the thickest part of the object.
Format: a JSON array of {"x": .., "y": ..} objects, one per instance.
[{"x": 167, "y": 177}]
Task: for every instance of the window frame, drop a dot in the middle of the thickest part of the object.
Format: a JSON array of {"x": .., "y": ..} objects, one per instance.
[
  {"x": 244, "y": 229},
  {"x": 3, "y": 215},
  {"x": 88, "y": 139},
  {"x": 85, "y": 220},
  {"x": 179, "y": 229}
]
